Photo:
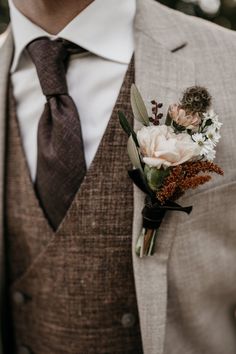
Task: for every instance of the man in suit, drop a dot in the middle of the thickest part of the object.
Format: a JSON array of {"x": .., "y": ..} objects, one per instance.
[{"x": 70, "y": 279}]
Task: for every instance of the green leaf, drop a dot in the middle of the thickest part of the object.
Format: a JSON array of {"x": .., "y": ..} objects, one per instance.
[
  {"x": 138, "y": 106},
  {"x": 178, "y": 127},
  {"x": 189, "y": 131},
  {"x": 208, "y": 122},
  {"x": 124, "y": 123},
  {"x": 134, "y": 154},
  {"x": 126, "y": 127},
  {"x": 155, "y": 177},
  {"x": 168, "y": 120}
]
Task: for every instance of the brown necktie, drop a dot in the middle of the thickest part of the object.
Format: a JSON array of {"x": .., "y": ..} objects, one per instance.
[{"x": 61, "y": 164}]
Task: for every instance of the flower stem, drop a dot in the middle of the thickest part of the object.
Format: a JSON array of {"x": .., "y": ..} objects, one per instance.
[{"x": 146, "y": 242}]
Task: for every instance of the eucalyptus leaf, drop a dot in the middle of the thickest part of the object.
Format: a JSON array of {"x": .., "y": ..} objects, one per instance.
[
  {"x": 127, "y": 128},
  {"x": 138, "y": 106},
  {"x": 124, "y": 123},
  {"x": 168, "y": 119},
  {"x": 134, "y": 154}
]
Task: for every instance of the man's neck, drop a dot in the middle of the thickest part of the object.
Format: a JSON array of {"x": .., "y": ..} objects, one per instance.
[{"x": 51, "y": 15}]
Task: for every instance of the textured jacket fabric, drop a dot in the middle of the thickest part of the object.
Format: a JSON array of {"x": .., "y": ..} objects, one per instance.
[{"x": 186, "y": 291}]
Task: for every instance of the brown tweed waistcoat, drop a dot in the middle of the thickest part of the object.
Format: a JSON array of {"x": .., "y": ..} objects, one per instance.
[{"x": 72, "y": 291}]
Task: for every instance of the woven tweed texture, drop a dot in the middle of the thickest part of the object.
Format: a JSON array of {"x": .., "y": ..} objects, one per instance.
[{"x": 78, "y": 281}]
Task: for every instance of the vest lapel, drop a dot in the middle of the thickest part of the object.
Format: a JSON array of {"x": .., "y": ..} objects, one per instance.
[{"x": 161, "y": 74}]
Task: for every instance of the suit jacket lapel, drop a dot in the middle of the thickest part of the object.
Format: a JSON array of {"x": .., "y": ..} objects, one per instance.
[{"x": 162, "y": 73}]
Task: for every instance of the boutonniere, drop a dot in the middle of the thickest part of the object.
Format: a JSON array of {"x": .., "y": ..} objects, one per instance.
[{"x": 170, "y": 158}]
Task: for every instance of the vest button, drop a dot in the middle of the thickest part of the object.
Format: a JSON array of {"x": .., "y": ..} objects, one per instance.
[
  {"x": 19, "y": 298},
  {"x": 24, "y": 350},
  {"x": 128, "y": 320}
]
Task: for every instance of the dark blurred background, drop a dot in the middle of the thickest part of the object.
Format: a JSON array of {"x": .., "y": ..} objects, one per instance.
[
  {"x": 4, "y": 15},
  {"x": 222, "y": 12}
]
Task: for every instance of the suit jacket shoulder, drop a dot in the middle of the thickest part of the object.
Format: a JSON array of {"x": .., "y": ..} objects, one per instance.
[{"x": 170, "y": 27}]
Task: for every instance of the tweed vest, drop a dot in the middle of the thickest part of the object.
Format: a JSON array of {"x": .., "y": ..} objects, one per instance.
[{"x": 73, "y": 291}]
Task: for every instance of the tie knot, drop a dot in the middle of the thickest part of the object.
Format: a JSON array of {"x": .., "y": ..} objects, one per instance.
[{"x": 50, "y": 58}]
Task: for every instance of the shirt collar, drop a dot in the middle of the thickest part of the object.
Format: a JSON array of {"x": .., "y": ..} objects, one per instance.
[{"x": 104, "y": 28}]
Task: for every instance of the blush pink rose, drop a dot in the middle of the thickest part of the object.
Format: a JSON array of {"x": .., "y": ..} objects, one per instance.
[{"x": 161, "y": 147}]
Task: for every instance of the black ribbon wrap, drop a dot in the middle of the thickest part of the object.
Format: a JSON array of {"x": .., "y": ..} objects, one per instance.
[
  {"x": 154, "y": 212},
  {"x": 152, "y": 216}
]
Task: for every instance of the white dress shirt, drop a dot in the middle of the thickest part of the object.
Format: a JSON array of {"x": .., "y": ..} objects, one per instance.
[{"x": 105, "y": 29}]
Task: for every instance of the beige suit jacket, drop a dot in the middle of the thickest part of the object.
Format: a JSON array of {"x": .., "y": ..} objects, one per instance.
[{"x": 193, "y": 271}]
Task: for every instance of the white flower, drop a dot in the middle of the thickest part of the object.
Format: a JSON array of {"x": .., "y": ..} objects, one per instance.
[
  {"x": 211, "y": 155},
  {"x": 213, "y": 117},
  {"x": 210, "y": 115},
  {"x": 213, "y": 135},
  {"x": 217, "y": 125},
  {"x": 160, "y": 146},
  {"x": 198, "y": 138},
  {"x": 206, "y": 145}
]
